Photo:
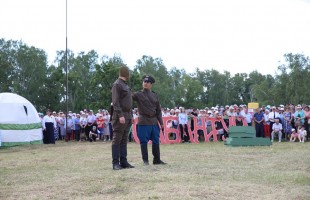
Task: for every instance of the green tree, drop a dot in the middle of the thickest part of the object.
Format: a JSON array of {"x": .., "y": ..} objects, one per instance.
[
  {"x": 102, "y": 80},
  {"x": 293, "y": 79},
  {"x": 193, "y": 91},
  {"x": 23, "y": 70},
  {"x": 156, "y": 68},
  {"x": 7, "y": 59}
]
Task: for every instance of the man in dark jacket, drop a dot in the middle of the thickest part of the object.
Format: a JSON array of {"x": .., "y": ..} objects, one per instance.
[
  {"x": 121, "y": 119},
  {"x": 149, "y": 117}
]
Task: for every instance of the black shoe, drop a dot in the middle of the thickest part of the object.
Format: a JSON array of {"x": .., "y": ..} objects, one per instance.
[
  {"x": 127, "y": 165},
  {"x": 160, "y": 162},
  {"x": 117, "y": 167},
  {"x": 145, "y": 162}
]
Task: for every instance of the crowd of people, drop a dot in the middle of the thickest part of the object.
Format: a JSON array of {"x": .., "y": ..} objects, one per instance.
[
  {"x": 81, "y": 126},
  {"x": 287, "y": 122}
]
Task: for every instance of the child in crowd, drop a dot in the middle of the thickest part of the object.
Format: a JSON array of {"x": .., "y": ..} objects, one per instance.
[
  {"x": 302, "y": 133},
  {"x": 294, "y": 135},
  {"x": 100, "y": 125},
  {"x": 93, "y": 134}
]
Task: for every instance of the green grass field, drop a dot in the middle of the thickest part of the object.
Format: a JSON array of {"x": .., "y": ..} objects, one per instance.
[{"x": 194, "y": 171}]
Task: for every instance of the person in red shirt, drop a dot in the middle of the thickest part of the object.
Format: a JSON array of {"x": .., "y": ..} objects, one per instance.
[{"x": 100, "y": 126}]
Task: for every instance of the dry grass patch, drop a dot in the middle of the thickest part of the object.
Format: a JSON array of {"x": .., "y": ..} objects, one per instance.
[{"x": 194, "y": 171}]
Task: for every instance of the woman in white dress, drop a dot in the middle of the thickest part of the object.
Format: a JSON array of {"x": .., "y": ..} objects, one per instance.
[{"x": 106, "y": 131}]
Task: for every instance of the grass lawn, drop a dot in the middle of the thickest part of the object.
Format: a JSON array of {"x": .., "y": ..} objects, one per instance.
[{"x": 194, "y": 171}]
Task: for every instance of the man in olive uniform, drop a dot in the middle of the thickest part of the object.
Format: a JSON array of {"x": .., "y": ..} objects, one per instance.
[
  {"x": 149, "y": 117},
  {"x": 121, "y": 119}
]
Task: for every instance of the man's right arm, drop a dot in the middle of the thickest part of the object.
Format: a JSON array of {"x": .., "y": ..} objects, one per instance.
[
  {"x": 134, "y": 96},
  {"x": 116, "y": 99}
]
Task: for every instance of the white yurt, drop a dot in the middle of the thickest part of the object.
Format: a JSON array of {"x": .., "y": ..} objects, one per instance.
[{"x": 19, "y": 121}]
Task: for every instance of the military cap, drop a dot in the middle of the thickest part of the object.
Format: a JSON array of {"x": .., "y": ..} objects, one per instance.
[{"x": 148, "y": 78}]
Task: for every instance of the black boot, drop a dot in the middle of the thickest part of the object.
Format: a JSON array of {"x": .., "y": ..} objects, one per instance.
[
  {"x": 145, "y": 155},
  {"x": 123, "y": 157},
  {"x": 156, "y": 154},
  {"x": 115, "y": 157}
]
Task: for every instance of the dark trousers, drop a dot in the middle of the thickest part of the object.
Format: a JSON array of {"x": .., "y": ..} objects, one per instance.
[
  {"x": 87, "y": 130},
  {"x": 59, "y": 134},
  {"x": 49, "y": 137},
  {"x": 259, "y": 129},
  {"x": 82, "y": 130},
  {"x": 184, "y": 136},
  {"x": 77, "y": 134},
  {"x": 111, "y": 130},
  {"x": 119, "y": 141}
]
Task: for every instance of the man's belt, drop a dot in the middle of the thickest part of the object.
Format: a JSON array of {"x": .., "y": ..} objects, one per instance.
[
  {"x": 129, "y": 111},
  {"x": 148, "y": 116}
]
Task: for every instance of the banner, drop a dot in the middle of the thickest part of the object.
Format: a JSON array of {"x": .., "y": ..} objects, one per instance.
[{"x": 170, "y": 135}]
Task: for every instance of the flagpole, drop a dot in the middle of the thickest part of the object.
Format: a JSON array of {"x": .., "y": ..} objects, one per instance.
[{"x": 67, "y": 88}]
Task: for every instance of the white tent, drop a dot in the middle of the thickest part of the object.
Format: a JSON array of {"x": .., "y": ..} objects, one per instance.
[{"x": 19, "y": 121}]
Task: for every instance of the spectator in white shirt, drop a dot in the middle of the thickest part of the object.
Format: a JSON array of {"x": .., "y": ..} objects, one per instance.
[
  {"x": 273, "y": 115},
  {"x": 91, "y": 121},
  {"x": 302, "y": 133},
  {"x": 248, "y": 117},
  {"x": 48, "y": 124},
  {"x": 276, "y": 129},
  {"x": 183, "y": 119}
]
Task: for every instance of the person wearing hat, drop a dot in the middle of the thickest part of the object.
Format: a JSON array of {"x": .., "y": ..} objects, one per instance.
[
  {"x": 231, "y": 112},
  {"x": 121, "y": 119},
  {"x": 48, "y": 125},
  {"x": 266, "y": 124},
  {"x": 149, "y": 117},
  {"x": 287, "y": 122},
  {"x": 77, "y": 127},
  {"x": 56, "y": 130},
  {"x": 259, "y": 122},
  {"x": 294, "y": 135},
  {"x": 273, "y": 115},
  {"x": 299, "y": 116},
  {"x": 83, "y": 124},
  {"x": 276, "y": 129},
  {"x": 91, "y": 121},
  {"x": 69, "y": 124}
]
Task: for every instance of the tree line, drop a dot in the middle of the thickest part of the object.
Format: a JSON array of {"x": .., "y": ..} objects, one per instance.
[{"x": 25, "y": 70}]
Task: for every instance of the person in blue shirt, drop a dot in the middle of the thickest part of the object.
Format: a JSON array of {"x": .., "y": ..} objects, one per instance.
[
  {"x": 259, "y": 123},
  {"x": 77, "y": 127}
]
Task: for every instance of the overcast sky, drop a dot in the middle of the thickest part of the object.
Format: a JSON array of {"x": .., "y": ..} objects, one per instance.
[{"x": 233, "y": 35}]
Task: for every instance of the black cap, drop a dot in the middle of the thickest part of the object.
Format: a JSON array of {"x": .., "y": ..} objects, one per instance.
[{"x": 148, "y": 78}]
